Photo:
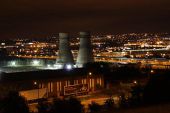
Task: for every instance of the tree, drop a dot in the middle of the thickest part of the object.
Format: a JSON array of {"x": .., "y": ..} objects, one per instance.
[
  {"x": 75, "y": 106},
  {"x": 123, "y": 101},
  {"x": 13, "y": 103},
  {"x": 59, "y": 106},
  {"x": 94, "y": 107},
  {"x": 136, "y": 95},
  {"x": 43, "y": 107},
  {"x": 109, "y": 103},
  {"x": 71, "y": 105}
]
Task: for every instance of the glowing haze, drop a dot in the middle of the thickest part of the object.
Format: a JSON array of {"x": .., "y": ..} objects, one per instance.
[{"x": 43, "y": 17}]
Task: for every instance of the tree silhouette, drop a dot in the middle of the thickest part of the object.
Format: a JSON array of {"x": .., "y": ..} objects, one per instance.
[
  {"x": 123, "y": 101},
  {"x": 59, "y": 106},
  {"x": 94, "y": 107},
  {"x": 157, "y": 89},
  {"x": 13, "y": 103},
  {"x": 109, "y": 103},
  {"x": 43, "y": 107},
  {"x": 136, "y": 92},
  {"x": 75, "y": 106},
  {"x": 71, "y": 105}
]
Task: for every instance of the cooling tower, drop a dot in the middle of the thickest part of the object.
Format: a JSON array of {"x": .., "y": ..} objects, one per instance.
[
  {"x": 65, "y": 56},
  {"x": 85, "y": 54}
]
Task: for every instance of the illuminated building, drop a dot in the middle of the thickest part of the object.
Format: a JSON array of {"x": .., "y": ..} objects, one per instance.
[{"x": 45, "y": 84}]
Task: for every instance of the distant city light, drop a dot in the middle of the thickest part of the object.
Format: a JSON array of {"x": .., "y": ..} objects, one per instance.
[
  {"x": 35, "y": 62},
  {"x": 13, "y": 63},
  {"x": 152, "y": 71},
  {"x": 30, "y": 43},
  {"x": 48, "y": 65},
  {"x": 135, "y": 82},
  {"x": 101, "y": 66},
  {"x": 58, "y": 66},
  {"x": 99, "y": 45},
  {"x": 121, "y": 49},
  {"x": 3, "y": 44}
]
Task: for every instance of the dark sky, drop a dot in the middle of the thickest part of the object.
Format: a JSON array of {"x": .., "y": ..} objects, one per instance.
[{"x": 29, "y": 18}]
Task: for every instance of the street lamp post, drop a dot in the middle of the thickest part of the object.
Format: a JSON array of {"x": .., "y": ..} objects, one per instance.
[{"x": 36, "y": 84}]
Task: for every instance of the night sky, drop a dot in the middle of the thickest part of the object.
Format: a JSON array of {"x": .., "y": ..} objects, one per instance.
[{"x": 40, "y": 18}]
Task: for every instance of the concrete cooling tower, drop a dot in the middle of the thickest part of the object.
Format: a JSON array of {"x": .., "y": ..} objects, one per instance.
[
  {"x": 85, "y": 54},
  {"x": 65, "y": 57}
]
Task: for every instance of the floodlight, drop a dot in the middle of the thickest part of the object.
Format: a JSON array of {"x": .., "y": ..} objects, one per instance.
[
  {"x": 35, "y": 62},
  {"x": 13, "y": 63},
  {"x": 68, "y": 66}
]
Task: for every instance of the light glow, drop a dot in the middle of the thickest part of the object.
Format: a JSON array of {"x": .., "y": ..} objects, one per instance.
[
  {"x": 35, "y": 83},
  {"x": 68, "y": 66},
  {"x": 13, "y": 63},
  {"x": 90, "y": 73},
  {"x": 35, "y": 63}
]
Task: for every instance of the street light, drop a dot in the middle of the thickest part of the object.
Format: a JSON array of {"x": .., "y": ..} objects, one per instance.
[
  {"x": 135, "y": 82},
  {"x": 37, "y": 86},
  {"x": 35, "y": 83}
]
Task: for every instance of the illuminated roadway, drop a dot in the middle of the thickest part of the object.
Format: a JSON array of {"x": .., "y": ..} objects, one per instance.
[{"x": 155, "y": 62}]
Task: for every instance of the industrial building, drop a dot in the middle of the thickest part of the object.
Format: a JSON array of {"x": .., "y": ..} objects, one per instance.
[{"x": 53, "y": 83}]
